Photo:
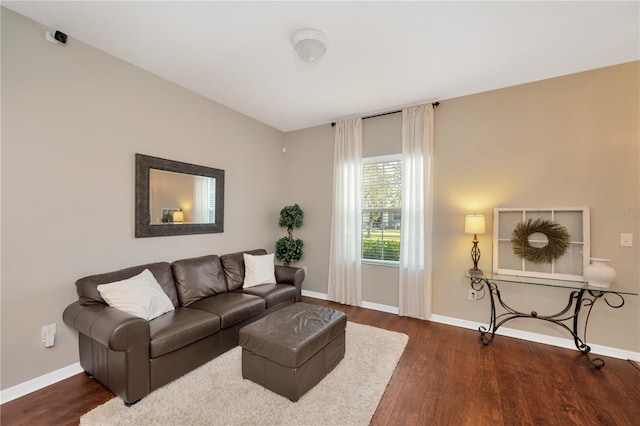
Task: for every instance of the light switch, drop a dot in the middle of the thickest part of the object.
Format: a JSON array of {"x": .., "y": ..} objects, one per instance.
[{"x": 626, "y": 240}]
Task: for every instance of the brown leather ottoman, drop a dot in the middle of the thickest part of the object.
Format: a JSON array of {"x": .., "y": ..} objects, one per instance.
[{"x": 291, "y": 350}]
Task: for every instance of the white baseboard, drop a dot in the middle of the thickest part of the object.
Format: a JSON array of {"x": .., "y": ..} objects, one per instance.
[
  {"x": 45, "y": 380},
  {"x": 368, "y": 305},
  {"x": 38, "y": 383},
  {"x": 503, "y": 331},
  {"x": 540, "y": 338},
  {"x": 314, "y": 294},
  {"x": 379, "y": 307}
]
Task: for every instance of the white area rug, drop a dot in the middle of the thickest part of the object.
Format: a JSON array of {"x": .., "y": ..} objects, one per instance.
[{"x": 216, "y": 393}]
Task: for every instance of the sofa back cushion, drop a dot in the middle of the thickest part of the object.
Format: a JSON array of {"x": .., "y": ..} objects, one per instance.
[
  {"x": 87, "y": 287},
  {"x": 233, "y": 264},
  {"x": 198, "y": 277}
]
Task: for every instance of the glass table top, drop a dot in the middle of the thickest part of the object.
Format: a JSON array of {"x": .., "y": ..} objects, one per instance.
[{"x": 545, "y": 282}]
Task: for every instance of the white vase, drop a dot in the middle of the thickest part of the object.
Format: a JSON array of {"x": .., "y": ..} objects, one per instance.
[{"x": 599, "y": 274}]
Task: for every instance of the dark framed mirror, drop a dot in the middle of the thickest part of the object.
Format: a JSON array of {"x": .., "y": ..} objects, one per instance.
[{"x": 175, "y": 198}]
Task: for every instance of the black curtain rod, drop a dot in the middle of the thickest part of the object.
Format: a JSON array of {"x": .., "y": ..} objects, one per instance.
[{"x": 435, "y": 105}]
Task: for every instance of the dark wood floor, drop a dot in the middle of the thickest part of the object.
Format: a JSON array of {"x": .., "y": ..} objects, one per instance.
[{"x": 445, "y": 377}]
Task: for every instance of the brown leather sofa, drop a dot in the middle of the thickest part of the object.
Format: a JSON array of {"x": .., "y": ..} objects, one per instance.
[{"x": 132, "y": 356}]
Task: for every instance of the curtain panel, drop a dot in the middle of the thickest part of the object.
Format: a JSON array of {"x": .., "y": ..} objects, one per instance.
[
  {"x": 200, "y": 199},
  {"x": 417, "y": 212},
  {"x": 345, "y": 278}
]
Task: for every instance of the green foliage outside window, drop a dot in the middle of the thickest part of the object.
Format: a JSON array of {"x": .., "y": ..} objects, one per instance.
[{"x": 377, "y": 249}]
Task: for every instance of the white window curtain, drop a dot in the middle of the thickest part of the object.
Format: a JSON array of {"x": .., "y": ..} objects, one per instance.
[
  {"x": 345, "y": 280},
  {"x": 201, "y": 199},
  {"x": 417, "y": 211}
]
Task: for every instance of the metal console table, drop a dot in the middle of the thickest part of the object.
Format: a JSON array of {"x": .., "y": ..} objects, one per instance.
[{"x": 582, "y": 297}]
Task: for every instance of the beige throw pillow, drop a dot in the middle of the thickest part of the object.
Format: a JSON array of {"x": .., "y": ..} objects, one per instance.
[
  {"x": 140, "y": 295},
  {"x": 258, "y": 270}
]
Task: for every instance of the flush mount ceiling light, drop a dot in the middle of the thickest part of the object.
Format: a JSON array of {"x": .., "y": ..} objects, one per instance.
[{"x": 310, "y": 44}]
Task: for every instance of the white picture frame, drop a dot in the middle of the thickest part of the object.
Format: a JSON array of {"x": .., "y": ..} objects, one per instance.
[{"x": 569, "y": 267}]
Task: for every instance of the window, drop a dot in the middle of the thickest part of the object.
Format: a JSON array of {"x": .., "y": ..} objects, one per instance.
[
  {"x": 381, "y": 208},
  {"x": 212, "y": 200},
  {"x": 204, "y": 200}
]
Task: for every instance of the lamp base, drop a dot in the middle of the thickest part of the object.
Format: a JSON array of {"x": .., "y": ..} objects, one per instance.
[{"x": 476, "y": 272}]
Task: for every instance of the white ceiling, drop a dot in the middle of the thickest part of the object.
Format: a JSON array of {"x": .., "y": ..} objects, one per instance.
[{"x": 382, "y": 55}]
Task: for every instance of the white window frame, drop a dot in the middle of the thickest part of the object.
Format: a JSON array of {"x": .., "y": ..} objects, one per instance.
[
  {"x": 380, "y": 159},
  {"x": 211, "y": 214},
  {"x": 582, "y": 243}
]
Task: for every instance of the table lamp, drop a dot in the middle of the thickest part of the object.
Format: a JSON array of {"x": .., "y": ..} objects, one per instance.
[
  {"x": 178, "y": 217},
  {"x": 474, "y": 224}
]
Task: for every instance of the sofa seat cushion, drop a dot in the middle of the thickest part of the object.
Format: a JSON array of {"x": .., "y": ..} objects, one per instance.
[
  {"x": 232, "y": 308},
  {"x": 274, "y": 294},
  {"x": 179, "y": 328}
]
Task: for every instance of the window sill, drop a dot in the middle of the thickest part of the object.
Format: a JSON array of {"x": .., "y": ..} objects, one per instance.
[{"x": 381, "y": 263}]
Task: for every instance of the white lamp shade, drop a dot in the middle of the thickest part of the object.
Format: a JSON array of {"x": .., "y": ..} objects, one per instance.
[
  {"x": 310, "y": 44},
  {"x": 474, "y": 224},
  {"x": 178, "y": 217}
]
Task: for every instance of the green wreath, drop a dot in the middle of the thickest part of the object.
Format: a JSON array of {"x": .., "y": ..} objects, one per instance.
[{"x": 558, "y": 240}]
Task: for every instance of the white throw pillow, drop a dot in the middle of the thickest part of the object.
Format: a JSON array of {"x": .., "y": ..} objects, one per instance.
[
  {"x": 258, "y": 270},
  {"x": 140, "y": 295}
]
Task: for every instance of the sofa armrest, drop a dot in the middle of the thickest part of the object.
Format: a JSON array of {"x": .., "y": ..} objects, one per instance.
[
  {"x": 292, "y": 276},
  {"x": 114, "y": 348},
  {"x": 115, "y": 329}
]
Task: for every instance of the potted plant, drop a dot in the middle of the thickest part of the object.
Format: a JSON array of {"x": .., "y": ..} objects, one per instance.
[{"x": 289, "y": 249}]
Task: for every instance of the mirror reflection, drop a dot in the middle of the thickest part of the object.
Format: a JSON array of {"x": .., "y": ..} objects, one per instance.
[
  {"x": 181, "y": 198},
  {"x": 176, "y": 198}
]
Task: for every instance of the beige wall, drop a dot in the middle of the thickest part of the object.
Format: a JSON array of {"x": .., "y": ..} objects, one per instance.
[
  {"x": 72, "y": 119},
  {"x": 570, "y": 141},
  {"x": 309, "y": 182},
  {"x": 309, "y": 174}
]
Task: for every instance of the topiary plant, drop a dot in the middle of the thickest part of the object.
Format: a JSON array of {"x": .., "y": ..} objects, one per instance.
[{"x": 289, "y": 249}]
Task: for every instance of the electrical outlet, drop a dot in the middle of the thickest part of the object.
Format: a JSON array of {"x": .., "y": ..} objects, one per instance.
[
  {"x": 49, "y": 335},
  {"x": 626, "y": 240},
  {"x": 472, "y": 294}
]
